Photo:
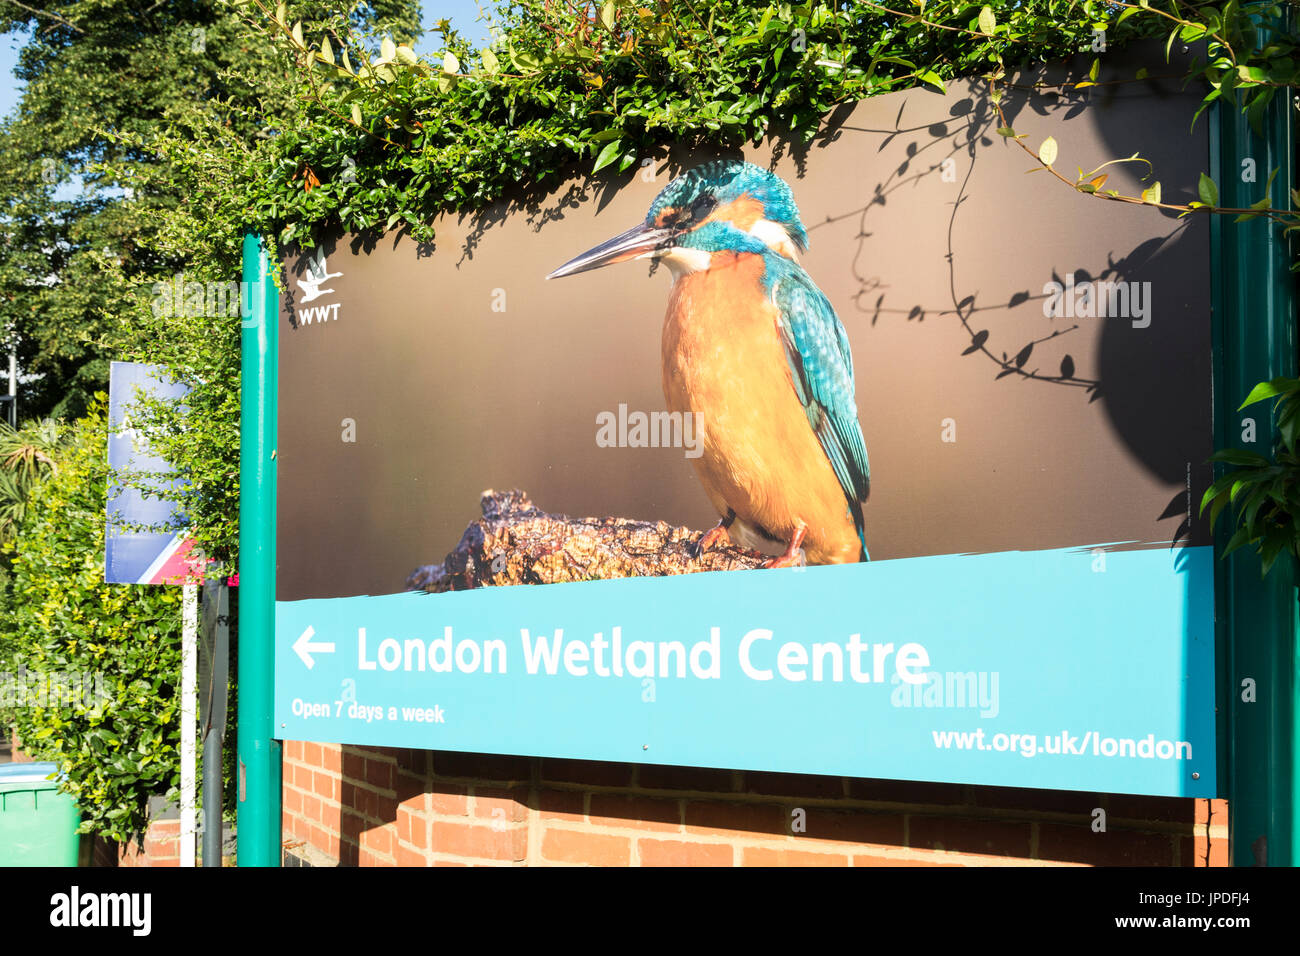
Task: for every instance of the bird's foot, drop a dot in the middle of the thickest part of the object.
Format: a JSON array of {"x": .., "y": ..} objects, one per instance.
[
  {"x": 796, "y": 560},
  {"x": 711, "y": 539},
  {"x": 715, "y": 536},
  {"x": 794, "y": 556}
]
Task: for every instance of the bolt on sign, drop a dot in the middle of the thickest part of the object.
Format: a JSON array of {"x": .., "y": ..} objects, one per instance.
[{"x": 877, "y": 459}]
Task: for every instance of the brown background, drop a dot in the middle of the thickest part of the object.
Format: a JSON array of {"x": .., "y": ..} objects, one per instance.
[{"x": 451, "y": 398}]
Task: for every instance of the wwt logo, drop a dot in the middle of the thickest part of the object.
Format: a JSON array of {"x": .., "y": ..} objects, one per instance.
[
  {"x": 317, "y": 274},
  {"x": 75, "y": 908}
]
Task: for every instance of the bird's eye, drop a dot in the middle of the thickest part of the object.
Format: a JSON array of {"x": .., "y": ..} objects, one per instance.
[{"x": 703, "y": 206}]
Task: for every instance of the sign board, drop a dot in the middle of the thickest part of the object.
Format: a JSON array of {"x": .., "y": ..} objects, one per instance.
[
  {"x": 133, "y": 556},
  {"x": 1033, "y": 384}
]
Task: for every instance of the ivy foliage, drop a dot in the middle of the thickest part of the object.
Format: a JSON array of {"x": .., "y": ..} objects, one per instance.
[
  {"x": 1264, "y": 491},
  {"x": 61, "y": 618}
]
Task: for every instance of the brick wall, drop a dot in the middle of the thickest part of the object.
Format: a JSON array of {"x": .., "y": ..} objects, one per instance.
[
  {"x": 161, "y": 846},
  {"x": 384, "y": 807}
]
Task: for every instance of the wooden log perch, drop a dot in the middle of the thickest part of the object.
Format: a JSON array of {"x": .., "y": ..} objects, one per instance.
[{"x": 517, "y": 543}]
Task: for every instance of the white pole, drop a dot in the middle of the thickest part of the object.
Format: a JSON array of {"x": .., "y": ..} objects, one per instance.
[
  {"x": 189, "y": 722},
  {"x": 13, "y": 389}
]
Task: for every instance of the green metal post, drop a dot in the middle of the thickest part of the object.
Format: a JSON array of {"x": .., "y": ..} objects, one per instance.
[
  {"x": 259, "y": 753},
  {"x": 1255, "y": 318}
]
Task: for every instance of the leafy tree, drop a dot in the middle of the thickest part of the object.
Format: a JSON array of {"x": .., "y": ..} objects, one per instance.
[
  {"x": 80, "y": 198},
  {"x": 61, "y": 618}
]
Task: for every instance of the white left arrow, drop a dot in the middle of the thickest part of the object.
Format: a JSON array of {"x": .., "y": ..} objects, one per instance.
[{"x": 304, "y": 647}]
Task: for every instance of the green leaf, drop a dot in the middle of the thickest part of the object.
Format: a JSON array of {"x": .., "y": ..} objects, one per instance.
[
  {"x": 490, "y": 62},
  {"x": 449, "y": 63},
  {"x": 387, "y": 48},
  {"x": 1270, "y": 389},
  {"x": 1243, "y": 459},
  {"x": 613, "y": 149},
  {"x": 1047, "y": 152},
  {"x": 1208, "y": 192},
  {"x": 1152, "y": 193},
  {"x": 988, "y": 21},
  {"x": 933, "y": 79},
  {"x": 607, "y": 14},
  {"x": 326, "y": 51}
]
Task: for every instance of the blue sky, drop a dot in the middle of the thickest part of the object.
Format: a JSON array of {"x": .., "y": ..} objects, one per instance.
[{"x": 462, "y": 13}]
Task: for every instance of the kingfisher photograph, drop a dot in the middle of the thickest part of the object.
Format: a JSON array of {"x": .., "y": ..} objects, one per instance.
[{"x": 890, "y": 344}]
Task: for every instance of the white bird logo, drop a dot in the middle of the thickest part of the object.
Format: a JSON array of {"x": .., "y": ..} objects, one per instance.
[{"x": 316, "y": 274}]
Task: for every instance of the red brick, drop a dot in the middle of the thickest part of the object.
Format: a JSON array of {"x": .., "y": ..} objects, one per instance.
[
  {"x": 349, "y": 853},
  {"x": 354, "y": 765},
  {"x": 406, "y": 786},
  {"x": 1214, "y": 812},
  {"x": 292, "y": 800},
  {"x": 911, "y": 792},
  {"x": 852, "y": 827},
  {"x": 702, "y": 779},
  {"x": 1043, "y": 801},
  {"x": 408, "y": 857},
  {"x": 413, "y": 762},
  {"x": 449, "y": 799},
  {"x": 348, "y": 795},
  {"x": 323, "y": 785},
  {"x": 736, "y": 817},
  {"x": 642, "y": 813},
  {"x": 594, "y": 849},
  {"x": 1112, "y": 848},
  {"x": 324, "y": 840},
  {"x": 589, "y": 772},
  {"x": 331, "y": 758},
  {"x": 481, "y": 766},
  {"x": 506, "y": 805},
  {"x": 1127, "y": 806},
  {"x": 969, "y": 835},
  {"x": 463, "y": 839},
  {"x": 1198, "y": 851},
  {"x": 311, "y": 808},
  {"x": 794, "y": 785},
  {"x": 761, "y": 856},
  {"x": 870, "y": 859},
  {"x": 561, "y": 805},
  {"x": 311, "y": 754},
  {"x": 386, "y": 808},
  {"x": 413, "y": 828},
  {"x": 679, "y": 853},
  {"x": 378, "y": 839},
  {"x": 379, "y": 774}
]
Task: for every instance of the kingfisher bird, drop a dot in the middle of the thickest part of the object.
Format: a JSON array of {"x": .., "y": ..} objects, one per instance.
[{"x": 754, "y": 348}]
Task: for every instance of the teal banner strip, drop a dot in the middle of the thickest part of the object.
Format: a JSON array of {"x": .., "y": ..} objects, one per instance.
[{"x": 1080, "y": 669}]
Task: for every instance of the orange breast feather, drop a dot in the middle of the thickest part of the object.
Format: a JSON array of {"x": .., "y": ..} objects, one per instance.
[{"x": 723, "y": 359}]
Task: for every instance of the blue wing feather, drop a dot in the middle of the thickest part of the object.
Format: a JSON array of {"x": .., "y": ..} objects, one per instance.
[{"x": 821, "y": 367}]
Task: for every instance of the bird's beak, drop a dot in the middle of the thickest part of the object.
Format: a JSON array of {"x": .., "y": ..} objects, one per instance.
[{"x": 637, "y": 242}]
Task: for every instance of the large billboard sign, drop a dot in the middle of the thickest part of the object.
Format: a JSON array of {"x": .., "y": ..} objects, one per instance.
[{"x": 878, "y": 460}]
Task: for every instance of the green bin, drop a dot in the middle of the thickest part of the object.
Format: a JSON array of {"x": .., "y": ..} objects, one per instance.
[{"x": 38, "y": 825}]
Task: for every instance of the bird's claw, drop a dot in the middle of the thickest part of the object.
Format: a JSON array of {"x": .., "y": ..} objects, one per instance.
[
  {"x": 709, "y": 540},
  {"x": 797, "y": 559}
]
